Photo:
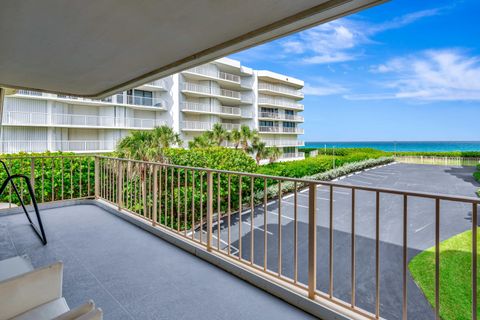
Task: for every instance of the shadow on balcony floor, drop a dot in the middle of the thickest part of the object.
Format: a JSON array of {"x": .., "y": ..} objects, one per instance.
[{"x": 131, "y": 274}]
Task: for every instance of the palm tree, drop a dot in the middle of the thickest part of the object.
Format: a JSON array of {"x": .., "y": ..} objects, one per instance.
[
  {"x": 202, "y": 141},
  {"x": 260, "y": 149},
  {"x": 137, "y": 145},
  {"x": 247, "y": 137},
  {"x": 235, "y": 137},
  {"x": 274, "y": 154},
  {"x": 219, "y": 134},
  {"x": 165, "y": 137}
]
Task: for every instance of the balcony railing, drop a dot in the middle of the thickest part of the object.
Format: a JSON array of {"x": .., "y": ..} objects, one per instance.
[
  {"x": 160, "y": 83},
  {"x": 280, "y": 116},
  {"x": 280, "y": 89},
  {"x": 119, "y": 99},
  {"x": 139, "y": 101},
  {"x": 284, "y": 143},
  {"x": 17, "y": 146},
  {"x": 293, "y": 155},
  {"x": 275, "y": 129},
  {"x": 204, "y": 126},
  {"x": 201, "y": 107},
  {"x": 33, "y": 118},
  {"x": 193, "y": 87},
  {"x": 298, "y": 251},
  {"x": 280, "y": 102},
  {"x": 290, "y": 231},
  {"x": 213, "y": 73}
]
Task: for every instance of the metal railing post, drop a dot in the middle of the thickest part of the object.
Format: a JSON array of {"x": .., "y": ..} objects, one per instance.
[
  {"x": 155, "y": 195},
  {"x": 32, "y": 176},
  {"x": 120, "y": 185},
  {"x": 312, "y": 240},
  {"x": 209, "y": 209},
  {"x": 97, "y": 177}
]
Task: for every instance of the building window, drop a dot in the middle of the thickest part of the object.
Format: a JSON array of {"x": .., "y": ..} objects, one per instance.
[
  {"x": 289, "y": 112},
  {"x": 266, "y": 123},
  {"x": 289, "y": 124}
]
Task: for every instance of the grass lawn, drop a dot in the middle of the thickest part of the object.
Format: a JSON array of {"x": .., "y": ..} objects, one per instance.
[{"x": 455, "y": 276}]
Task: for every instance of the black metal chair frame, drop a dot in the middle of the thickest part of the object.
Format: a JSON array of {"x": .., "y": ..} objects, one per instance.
[{"x": 10, "y": 179}]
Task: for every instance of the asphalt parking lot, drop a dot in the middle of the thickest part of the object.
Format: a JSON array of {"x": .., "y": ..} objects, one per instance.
[{"x": 455, "y": 218}]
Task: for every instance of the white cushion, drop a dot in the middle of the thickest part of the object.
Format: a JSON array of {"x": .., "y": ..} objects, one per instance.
[
  {"x": 14, "y": 266},
  {"x": 45, "y": 311},
  {"x": 30, "y": 290}
]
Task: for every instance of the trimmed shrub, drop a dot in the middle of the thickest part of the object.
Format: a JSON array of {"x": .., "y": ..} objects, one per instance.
[
  {"x": 288, "y": 186},
  {"x": 63, "y": 177},
  {"x": 213, "y": 158},
  {"x": 320, "y": 163}
]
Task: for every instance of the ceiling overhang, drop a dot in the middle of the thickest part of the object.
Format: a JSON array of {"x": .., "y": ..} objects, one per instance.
[{"x": 94, "y": 48}]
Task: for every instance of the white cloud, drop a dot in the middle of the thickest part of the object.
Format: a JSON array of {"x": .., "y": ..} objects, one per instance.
[
  {"x": 338, "y": 41},
  {"x": 433, "y": 75}
]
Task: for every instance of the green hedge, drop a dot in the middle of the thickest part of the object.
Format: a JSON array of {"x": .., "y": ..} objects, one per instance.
[
  {"x": 288, "y": 186},
  {"x": 320, "y": 163},
  {"x": 62, "y": 176}
]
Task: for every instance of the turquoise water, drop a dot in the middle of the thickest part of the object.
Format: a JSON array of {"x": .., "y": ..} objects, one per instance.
[{"x": 403, "y": 145}]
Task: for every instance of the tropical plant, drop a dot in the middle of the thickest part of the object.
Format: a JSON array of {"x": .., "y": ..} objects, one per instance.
[
  {"x": 201, "y": 141},
  {"x": 274, "y": 153},
  {"x": 247, "y": 137},
  {"x": 219, "y": 134},
  {"x": 235, "y": 137}
]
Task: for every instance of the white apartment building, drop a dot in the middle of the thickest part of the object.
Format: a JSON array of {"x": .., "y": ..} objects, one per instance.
[{"x": 191, "y": 102}]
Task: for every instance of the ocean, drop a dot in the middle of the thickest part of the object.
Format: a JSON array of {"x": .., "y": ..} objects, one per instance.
[{"x": 437, "y": 146}]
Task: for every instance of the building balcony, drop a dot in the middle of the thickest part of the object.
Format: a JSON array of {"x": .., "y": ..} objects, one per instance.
[
  {"x": 223, "y": 111},
  {"x": 279, "y": 103},
  {"x": 198, "y": 90},
  {"x": 118, "y": 99},
  {"x": 15, "y": 118},
  {"x": 292, "y": 156},
  {"x": 148, "y": 103},
  {"x": 275, "y": 129},
  {"x": 80, "y": 146},
  {"x": 206, "y": 126},
  {"x": 280, "y": 116},
  {"x": 284, "y": 143},
  {"x": 206, "y": 72},
  {"x": 280, "y": 90}
]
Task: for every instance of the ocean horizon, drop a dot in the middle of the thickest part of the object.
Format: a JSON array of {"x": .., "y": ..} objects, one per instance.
[{"x": 436, "y": 146}]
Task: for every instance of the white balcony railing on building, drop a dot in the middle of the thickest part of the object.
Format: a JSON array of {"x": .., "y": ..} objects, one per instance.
[
  {"x": 280, "y": 89},
  {"x": 274, "y": 129},
  {"x": 57, "y": 145},
  {"x": 33, "y": 118},
  {"x": 202, "y": 107},
  {"x": 280, "y": 102},
  {"x": 284, "y": 143},
  {"x": 280, "y": 116},
  {"x": 139, "y": 101},
  {"x": 119, "y": 99},
  {"x": 293, "y": 155},
  {"x": 199, "y": 125},
  {"x": 187, "y": 86},
  {"x": 213, "y": 73}
]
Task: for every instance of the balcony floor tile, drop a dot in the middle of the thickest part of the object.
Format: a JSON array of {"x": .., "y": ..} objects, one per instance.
[{"x": 131, "y": 274}]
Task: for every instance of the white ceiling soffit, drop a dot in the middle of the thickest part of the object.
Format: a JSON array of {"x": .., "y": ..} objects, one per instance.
[{"x": 94, "y": 48}]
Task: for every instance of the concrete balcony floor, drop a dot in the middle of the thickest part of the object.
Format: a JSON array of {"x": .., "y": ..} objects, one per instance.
[{"x": 132, "y": 274}]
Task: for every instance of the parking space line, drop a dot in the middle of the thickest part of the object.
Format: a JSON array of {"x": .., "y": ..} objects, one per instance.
[
  {"x": 254, "y": 227},
  {"x": 276, "y": 214}
]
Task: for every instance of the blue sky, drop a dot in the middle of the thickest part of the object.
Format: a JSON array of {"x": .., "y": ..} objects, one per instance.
[{"x": 405, "y": 70}]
